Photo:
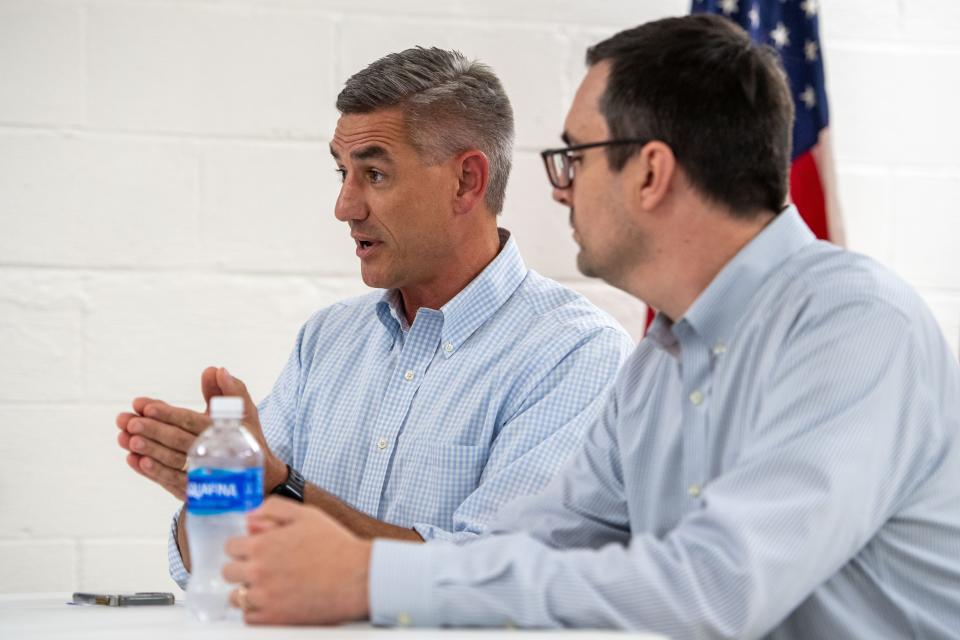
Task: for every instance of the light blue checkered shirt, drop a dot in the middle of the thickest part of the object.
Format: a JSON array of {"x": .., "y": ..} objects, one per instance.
[
  {"x": 783, "y": 460},
  {"x": 436, "y": 425}
]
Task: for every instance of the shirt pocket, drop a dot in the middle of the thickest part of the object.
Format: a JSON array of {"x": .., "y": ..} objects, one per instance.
[{"x": 445, "y": 475}]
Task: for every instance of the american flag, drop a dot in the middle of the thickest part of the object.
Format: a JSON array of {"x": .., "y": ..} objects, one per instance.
[{"x": 792, "y": 28}]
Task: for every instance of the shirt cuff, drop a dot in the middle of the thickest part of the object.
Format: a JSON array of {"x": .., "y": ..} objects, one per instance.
[
  {"x": 430, "y": 532},
  {"x": 400, "y": 586},
  {"x": 177, "y": 571}
]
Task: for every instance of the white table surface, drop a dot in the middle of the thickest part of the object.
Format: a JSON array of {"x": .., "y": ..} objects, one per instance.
[{"x": 48, "y": 616}]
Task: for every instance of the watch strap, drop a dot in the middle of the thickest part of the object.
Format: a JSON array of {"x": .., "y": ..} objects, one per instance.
[{"x": 292, "y": 487}]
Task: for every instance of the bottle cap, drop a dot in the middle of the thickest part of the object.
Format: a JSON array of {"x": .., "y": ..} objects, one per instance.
[{"x": 226, "y": 407}]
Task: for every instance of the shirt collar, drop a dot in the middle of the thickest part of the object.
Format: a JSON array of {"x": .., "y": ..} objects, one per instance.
[
  {"x": 390, "y": 312},
  {"x": 717, "y": 310},
  {"x": 474, "y": 305}
]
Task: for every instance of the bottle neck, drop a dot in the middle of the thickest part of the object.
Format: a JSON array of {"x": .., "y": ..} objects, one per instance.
[{"x": 227, "y": 423}]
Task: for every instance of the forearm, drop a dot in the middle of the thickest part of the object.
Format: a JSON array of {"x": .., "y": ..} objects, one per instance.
[
  {"x": 726, "y": 571},
  {"x": 182, "y": 539},
  {"x": 175, "y": 561},
  {"x": 360, "y": 524},
  {"x": 515, "y": 580}
]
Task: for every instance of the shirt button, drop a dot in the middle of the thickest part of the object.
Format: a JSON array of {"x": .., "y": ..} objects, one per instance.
[
  {"x": 448, "y": 347},
  {"x": 693, "y": 491},
  {"x": 696, "y": 398},
  {"x": 403, "y": 620},
  {"x": 408, "y": 376},
  {"x": 719, "y": 349},
  {"x": 382, "y": 443}
]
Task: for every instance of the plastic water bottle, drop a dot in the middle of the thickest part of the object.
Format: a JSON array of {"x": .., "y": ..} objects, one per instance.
[{"x": 224, "y": 481}]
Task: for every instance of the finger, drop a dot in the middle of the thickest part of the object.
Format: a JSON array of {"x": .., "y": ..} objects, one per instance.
[
  {"x": 253, "y": 596},
  {"x": 235, "y": 572},
  {"x": 141, "y": 402},
  {"x": 123, "y": 439},
  {"x": 172, "y": 480},
  {"x": 235, "y": 387},
  {"x": 137, "y": 462},
  {"x": 257, "y": 525},
  {"x": 162, "y": 454},
  {"x": 209, "y": 385},
  {"x": 170, "y": 436},
  {"x": 239, "y": 547},
  {"x": 133, "y": 461},
  {"x": 278, "y": 510},
  {"x": 254, "y": 616},
  {"x": 192, "y": 421},
  {"x": 124, "y": 418},
  {"x": 235, "y": 599}
]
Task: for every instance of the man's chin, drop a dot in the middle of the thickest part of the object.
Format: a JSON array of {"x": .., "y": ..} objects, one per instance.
[
  {"x": 374, "y": 279},
  {"x": 586, "y": 266}
]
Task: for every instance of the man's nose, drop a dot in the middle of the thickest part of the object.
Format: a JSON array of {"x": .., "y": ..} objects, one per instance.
[
  {"x": 351, "y": 204},
  {"x": 563, "y": 196}
]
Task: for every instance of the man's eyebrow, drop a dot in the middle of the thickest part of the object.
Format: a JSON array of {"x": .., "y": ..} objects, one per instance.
[{"x": 371, "y": 152}]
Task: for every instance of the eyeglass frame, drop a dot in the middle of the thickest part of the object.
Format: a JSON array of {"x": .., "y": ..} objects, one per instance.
[{"x": 546, "y": 154}]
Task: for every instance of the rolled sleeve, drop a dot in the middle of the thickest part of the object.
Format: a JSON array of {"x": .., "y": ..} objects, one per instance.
[{"x": 178, "y": 572}]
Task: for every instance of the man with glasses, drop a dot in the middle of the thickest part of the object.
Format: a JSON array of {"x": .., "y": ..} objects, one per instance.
[
  {"x": 416, "y": 411},
  {"x": 780, "y": 456}
]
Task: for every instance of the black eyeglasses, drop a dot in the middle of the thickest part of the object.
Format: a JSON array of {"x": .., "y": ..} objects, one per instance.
[{"x": 559, "y": 162}]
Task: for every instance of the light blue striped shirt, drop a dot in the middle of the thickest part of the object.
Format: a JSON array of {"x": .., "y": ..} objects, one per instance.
[
  {"x": 436, "y": 425},
  {"x": 784, "y": 460}
]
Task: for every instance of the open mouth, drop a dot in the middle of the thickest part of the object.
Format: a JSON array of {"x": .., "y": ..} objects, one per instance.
[{"x": 366, "y": 247}]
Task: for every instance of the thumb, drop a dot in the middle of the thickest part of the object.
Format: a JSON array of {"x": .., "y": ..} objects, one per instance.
[
  {"x": 231, "y": 386},
  {"x": 209, "y": 385}
]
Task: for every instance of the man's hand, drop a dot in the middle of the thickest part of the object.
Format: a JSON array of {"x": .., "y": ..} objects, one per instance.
[
  {"x": 298, "y": 566},
  {"x": 158, "y": 436}
]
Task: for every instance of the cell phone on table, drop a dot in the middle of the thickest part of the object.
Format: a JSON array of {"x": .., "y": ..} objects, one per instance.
[{"x": 124, "y": 599}]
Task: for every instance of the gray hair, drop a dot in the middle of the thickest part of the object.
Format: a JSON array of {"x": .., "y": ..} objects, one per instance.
[{"x": 450, "y": 105}]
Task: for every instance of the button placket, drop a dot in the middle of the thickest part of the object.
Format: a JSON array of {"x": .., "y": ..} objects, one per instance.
[
  {"x": 399, "y": 395},
  {"x": 695, "y": 375},
  {"x": 420, "y": 346}
]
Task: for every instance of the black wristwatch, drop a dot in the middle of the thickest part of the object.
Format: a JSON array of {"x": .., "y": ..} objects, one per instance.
[{"x": 291, "y": 488}]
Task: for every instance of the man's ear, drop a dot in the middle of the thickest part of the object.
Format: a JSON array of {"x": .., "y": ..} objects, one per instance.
[
  {"x": 473, "y": 176},
  {"x": 652, "y": 172}
]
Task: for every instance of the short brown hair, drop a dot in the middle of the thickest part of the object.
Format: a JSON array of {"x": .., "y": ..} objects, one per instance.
[{"x": 720, "y": 101}]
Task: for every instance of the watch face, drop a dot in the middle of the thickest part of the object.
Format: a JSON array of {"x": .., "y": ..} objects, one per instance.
[{"x": 293, "y": 487}]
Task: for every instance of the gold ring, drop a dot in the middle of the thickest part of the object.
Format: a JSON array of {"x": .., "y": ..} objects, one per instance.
[{"x": 242, "y": 597}]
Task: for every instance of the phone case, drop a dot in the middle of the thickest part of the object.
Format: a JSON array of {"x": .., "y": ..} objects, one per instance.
[{"x": 124, "y": 599}]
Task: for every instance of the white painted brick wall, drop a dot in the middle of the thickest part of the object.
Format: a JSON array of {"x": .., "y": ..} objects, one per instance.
[
  {"x": 166, "y": 203},
  {"x": 208, "y": 69}
]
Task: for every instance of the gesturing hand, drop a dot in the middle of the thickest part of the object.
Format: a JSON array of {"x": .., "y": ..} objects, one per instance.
[
  {"x": 298, "y": 566},
  {"x": 158, "y": 435}
]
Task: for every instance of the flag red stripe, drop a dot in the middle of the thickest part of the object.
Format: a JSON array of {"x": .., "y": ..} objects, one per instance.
[{"x": 806, "y": 190}]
